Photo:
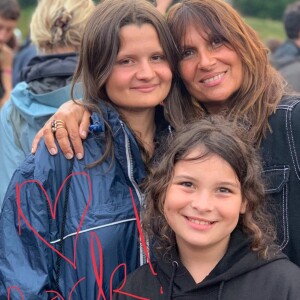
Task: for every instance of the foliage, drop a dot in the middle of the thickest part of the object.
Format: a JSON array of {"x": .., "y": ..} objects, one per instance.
[
  {"x": 262, "y": 8},
  {"x": 27, "y": 3},
  {"x": 24, "y": 21}
]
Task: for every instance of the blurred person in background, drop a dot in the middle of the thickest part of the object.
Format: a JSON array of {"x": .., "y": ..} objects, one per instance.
[
  {"x": 273, "y": 44},
  {"x": 25, "y": 53},
  {"x": 9, "y": 15},
  {"x": 286, "y": 58},
  {"x": 56, "y": 30}
]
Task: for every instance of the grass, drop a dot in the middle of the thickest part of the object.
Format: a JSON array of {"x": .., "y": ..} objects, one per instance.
[{"x": 266, "y": 28}]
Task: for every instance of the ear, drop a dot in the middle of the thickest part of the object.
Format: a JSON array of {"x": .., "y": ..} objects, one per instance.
[{"x": 243, "y": 206}]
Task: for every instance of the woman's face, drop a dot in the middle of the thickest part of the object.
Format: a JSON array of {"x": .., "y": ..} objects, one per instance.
[
  {"x": 211, "y": 71},
  {"x": 141, "y": 77}
]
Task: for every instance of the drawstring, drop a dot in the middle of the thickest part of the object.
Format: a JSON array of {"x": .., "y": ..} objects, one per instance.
[
  {"x": 220, "y": 290},
  {"x": 174, "y": 267}
]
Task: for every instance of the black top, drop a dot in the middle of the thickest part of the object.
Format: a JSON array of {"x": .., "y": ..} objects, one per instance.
[{"x": 240, "y": 274}]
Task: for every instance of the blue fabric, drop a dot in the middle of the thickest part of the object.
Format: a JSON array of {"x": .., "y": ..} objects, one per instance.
[
  {"x": 20, "y": 119},
  {"x": 21, "y": 60},
  {"x": 28, "y": 262}
]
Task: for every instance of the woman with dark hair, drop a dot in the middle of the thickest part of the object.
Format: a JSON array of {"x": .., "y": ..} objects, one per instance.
[
  {"x": 68, "y": 228},
  {"x": 225, "y": 70}
]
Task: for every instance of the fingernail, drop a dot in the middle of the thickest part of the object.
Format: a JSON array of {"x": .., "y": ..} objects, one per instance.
[
  {"x": 83, "y": 134},
  {"x": 79, "y": 155},
  {"x": 53, "y": 151},
  {"x": 69, "y": 155}
]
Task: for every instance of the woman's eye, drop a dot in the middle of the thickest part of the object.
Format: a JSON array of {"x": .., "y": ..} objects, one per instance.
[
  {"x": 217, "y": 42},
  {"x": 158, "y": 57},
  {"x": 186, "y": 53},
  {"x": 126, "y": 61},
  {"x": 186, "y": 184}
]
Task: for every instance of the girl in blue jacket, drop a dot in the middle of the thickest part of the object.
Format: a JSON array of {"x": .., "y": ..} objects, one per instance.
[
  {"x": 69, "y": 228},
  {"x": 205, "y": 210}
]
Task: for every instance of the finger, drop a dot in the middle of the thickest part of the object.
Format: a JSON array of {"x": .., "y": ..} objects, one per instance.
[
  {"x": 84, "y": 124},
  {"x": 75, "y": 139},
  {"x": 61, "y": 136},
  {"x": 46, "y": 131},
  {"x": 36, "y": 141}
]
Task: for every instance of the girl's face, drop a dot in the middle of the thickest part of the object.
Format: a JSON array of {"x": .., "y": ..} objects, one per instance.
[
  {"x": 203, "y": 203},
  {"x": 141, "y": 77},
  {"x": 211, "y": 71}
]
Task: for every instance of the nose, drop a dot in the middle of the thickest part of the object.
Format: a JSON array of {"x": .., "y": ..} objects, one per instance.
[
  {"x": 145, "y": 71},
  {"x": 206, "y": 59},
  {"x": 202, "y": 201}
]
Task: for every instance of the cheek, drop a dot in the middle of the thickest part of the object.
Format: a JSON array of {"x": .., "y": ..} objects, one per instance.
[
  {"x": 165, "y": 75},
  {"x": 185, "y": 70}
]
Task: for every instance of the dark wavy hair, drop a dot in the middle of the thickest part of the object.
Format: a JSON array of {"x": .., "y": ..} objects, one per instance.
[{"x": 228, "y": 140}]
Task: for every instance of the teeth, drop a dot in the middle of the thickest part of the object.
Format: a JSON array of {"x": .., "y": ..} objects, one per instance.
[
  {"x": 213, "y": 78},
  {"x": 200, "y": 222}
]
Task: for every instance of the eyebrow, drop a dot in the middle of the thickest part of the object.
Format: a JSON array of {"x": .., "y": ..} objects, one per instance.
[{"x": 225, "y": 183}]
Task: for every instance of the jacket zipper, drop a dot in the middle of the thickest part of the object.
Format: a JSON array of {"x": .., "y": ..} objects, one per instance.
[{"x": 133, "y": 182}]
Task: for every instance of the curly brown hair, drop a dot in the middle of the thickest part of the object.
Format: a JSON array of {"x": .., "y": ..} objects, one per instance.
[{"x": 227, "y": 140}]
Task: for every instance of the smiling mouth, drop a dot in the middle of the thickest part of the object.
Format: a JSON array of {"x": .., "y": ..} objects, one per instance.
[
  {"x": 200, "y": 222},
  {"x": 213, "y": 78}
]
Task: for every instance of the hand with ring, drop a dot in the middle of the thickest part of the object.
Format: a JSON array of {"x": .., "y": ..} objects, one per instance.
[
  {"x": 56, "y": 124},
  {"x": 73, "y": 121}
]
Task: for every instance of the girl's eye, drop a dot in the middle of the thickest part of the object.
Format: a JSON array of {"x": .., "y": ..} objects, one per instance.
[
  {"x": 186, "y": 184},
  {"x": 224, "y": 190},
  {"x": 186, "y": 53}
]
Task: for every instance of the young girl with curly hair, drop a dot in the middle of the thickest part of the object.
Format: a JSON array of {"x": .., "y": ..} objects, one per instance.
[{"x": 205, "y": 212}]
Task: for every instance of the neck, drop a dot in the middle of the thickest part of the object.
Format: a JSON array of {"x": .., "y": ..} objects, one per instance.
[
  {"x": 143, "y": 125},
  {"x": 215, "y": 108},
  {"x": 200, "y": 262}
]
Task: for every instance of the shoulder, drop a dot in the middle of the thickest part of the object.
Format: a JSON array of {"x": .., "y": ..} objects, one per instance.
[
  {"x": 283, "y": 273},
  {"x": 287, "y": 113},
  {"x": 289, "y": 102},
  {"x": 141, "y": 283}
]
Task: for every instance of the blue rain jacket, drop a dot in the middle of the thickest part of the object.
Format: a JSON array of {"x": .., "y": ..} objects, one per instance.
[{"x": 84, "y": 252}]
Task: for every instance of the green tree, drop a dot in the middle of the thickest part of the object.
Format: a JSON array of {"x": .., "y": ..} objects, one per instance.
[
  {"x": 28, "y": 3},
  {"x": 272, "y": 9}
]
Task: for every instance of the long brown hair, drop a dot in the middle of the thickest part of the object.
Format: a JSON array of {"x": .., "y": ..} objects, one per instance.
[
  {"x": 100, "y": 46},
  {"x": 217, "y": 136},
  {"x": 262, "y": 86}
]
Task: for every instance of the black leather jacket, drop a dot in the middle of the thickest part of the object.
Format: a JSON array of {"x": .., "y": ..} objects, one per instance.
[{"x": 281, "y": 158}]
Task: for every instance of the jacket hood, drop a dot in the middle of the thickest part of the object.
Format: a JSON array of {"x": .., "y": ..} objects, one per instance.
[
  {"x": 238, "y": 260},
  {"x": 45, "y": 73},
  {"x": 45, "y": 88}
]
